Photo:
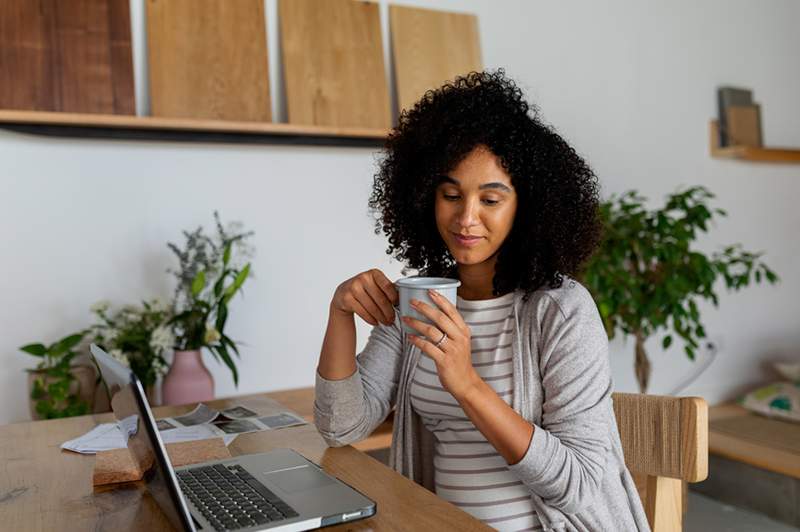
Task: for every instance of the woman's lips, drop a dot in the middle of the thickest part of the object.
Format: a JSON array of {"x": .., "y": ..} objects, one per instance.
[{"x": 467, "y": 241}]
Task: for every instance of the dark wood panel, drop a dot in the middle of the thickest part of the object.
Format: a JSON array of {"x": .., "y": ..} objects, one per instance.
[{"x": 70, "y": 56}]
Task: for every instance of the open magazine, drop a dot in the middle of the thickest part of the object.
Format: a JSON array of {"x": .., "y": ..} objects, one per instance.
[
  {"x": 200, "y": 424},
  {"x": 235, "y": 420}
]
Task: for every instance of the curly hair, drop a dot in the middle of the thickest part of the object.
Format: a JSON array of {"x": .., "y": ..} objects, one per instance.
[{"x": 556, "y": 226}]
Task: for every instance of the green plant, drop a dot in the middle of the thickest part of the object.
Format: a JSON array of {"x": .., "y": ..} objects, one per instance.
[
  {"x": 208, "y": 277},
  {"x": 52, "y": 383},
  {"x": 137, "y": 336},
  {"x": 646, "y": 277}
]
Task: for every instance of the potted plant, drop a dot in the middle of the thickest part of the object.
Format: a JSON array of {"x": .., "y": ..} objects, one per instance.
[
  {"x": 56, "y": 387},
  {"x": 647, "y": 277},
  {"x": 138, "y": 336},
  {"x": 210, "y": 273}
]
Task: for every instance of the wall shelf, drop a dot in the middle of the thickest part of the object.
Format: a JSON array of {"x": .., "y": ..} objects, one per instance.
[
  {"x": 750, "y": 153},
  {"x": 102, "y": 126}
]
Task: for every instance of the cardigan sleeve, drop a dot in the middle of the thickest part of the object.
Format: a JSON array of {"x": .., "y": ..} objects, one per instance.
[
  {"x": 349, "y": 410},
  {"x": 566, "y": 458}
]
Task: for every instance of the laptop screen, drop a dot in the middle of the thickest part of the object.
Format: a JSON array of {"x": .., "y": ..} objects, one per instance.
[{"x": 133, "y": 413}]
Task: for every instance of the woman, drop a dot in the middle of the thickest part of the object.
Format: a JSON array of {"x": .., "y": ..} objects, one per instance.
[{"x": 503, "y": 405}]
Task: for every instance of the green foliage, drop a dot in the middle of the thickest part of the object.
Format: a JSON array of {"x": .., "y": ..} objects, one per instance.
[
  {"x": 647, "y": 277},
  {"x": 137, "y": 336},
  {"x": 207, "y": 281},
  {"x": 52, "y": 387}
]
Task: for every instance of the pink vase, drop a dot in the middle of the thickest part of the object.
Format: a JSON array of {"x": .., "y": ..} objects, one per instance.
[{"x": 188, "y": 380}]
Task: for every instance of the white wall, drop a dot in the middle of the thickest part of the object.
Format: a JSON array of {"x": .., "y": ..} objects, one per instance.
[{"x": 629, "y": 83}]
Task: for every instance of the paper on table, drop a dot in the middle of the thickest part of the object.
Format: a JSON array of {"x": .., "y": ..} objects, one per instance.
[
  {"x": 196, "y": 432},
  {"x": 109, "y": 436},
  {"x": 101, "y": 438}
]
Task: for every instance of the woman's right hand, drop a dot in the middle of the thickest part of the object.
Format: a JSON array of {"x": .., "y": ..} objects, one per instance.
[{"x": 369, "y": 294}]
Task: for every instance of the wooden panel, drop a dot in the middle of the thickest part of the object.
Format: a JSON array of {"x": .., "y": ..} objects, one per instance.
[
  {"x": 664, "y": 504},
  {"x": 183, "y": 124},
  {"x": 773, "y": 450},
  {"x": 431, "y": 47},
  {"x": 744, "y": 125},
  {"x": 208, "y": 59},
  {"x": 66, "y": 56},
  {"x": 750, "y": 153},
  {"x": 664, "y": 436},
  {"x": 333, "y": 63},
  {"x": 44, "y": 488}
]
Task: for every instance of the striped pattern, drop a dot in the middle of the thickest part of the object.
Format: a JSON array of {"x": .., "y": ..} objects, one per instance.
[{"x": 469, "y": 471}]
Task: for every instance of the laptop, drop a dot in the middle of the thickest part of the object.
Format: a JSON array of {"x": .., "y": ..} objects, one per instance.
[{"x": 279, "y": 490}]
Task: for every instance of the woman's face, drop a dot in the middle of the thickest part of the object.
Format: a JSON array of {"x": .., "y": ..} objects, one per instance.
[{"x": 476, "y": 199}]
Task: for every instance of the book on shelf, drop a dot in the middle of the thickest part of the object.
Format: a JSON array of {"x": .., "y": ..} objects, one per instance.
[{"x": 730, "y": 97}]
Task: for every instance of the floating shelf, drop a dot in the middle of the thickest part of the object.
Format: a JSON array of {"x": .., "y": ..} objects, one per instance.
[
  {"x": 750, "y": 153},
  {"x": 101, "y": 126}
]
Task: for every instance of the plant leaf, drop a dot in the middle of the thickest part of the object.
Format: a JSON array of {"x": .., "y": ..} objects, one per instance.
[
  {"x": 226, "y": 357},
  {"x": 666, "y": 342},
  {"x": 237, "y": 283},
  {"x": 198, "y": 283},
  {"x": 37, "y": 350},
  {"x": 65, "y": 344}
]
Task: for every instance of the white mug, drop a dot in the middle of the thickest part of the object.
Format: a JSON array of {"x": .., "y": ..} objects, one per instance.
[{"x": 417, "y": 288}]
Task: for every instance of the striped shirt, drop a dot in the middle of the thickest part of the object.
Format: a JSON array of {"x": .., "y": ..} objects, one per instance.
[{"x": 469, "y": 472}]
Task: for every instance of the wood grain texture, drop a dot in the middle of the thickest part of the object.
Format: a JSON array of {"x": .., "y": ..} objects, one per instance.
[
  {"x": 208, "y": 59},
  {"x": 43, "y": 488},
  {"x": 333, "y": 63},
  {"x": 429, "y": 48},
  {"x": 773, "y": 448},
  {"x": 184, "y": 124},
  {"x": 664, "y": 503},
  {"x": 744, "y": 125},
  {"x": 66, "y": 56},
  {"x": 664, "y": 436},
  {"x": 749, "y": 153}
]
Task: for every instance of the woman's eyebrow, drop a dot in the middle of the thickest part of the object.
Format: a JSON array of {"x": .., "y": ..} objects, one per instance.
[{"x": 496, "y": 184}]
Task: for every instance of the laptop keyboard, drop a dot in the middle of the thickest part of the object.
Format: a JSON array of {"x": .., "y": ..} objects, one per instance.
[{"x": 230, "y": 498}]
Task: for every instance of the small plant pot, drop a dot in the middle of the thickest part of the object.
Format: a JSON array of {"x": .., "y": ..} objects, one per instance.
[{"x": 83, "y": 386}]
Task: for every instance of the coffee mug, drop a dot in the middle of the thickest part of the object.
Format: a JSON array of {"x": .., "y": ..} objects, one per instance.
[{"x": 417, "y": 288}]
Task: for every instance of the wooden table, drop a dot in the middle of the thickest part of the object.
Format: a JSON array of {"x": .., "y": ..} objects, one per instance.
[{"x": 45, "y": 488}]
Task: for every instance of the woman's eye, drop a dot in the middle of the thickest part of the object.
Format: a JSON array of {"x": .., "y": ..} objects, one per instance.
[
  {"x": 491, "y": 202},
  {"x": 450, "y": 197}
]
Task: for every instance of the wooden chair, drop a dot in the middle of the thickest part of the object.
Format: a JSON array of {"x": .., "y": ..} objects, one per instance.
[{"x": 665, "y": 440}]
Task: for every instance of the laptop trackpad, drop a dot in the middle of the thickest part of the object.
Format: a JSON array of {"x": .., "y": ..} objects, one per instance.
[{"x": 300, "y": 479}]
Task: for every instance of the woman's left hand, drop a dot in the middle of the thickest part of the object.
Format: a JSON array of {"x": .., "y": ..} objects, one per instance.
[{"x": 453, "y": 356}]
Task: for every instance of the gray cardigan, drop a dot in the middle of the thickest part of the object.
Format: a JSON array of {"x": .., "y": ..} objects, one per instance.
[{"x": 574, "y": 465}]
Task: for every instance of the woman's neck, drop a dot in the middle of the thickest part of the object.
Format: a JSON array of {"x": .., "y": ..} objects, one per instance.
[{"x": 476, "y": 280}]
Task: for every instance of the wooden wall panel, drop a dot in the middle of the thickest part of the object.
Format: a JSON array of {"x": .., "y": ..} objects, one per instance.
[
  {"x": 333, "y": 63},
  {"x": 70, "y": 56},
  {"x": 430, "y": 47},
  {"x": 208, "y": 59}
]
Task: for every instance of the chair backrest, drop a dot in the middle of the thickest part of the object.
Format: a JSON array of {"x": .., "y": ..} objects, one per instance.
[{"x": 666, "y": 440}]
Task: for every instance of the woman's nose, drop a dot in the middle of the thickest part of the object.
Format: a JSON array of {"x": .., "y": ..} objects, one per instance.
[{"x": 468, "y": 215}]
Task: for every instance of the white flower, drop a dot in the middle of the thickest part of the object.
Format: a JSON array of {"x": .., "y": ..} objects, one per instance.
[
  {"x": 100, "y": 306},
  {"x": 159, "y": 366},
  {"x": 111, "y": 335},
  {"x": 212, "y": 335},
  {"x": 118, "y": 355},
  {"x": 162, "y": 339}
]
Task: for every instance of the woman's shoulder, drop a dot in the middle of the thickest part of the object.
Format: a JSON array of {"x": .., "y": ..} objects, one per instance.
[{"x": 569, "y": 299}]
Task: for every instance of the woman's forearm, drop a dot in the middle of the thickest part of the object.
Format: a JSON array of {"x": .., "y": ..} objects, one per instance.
[
  {"x": 337, "y": 360},
  {"x": 505, "y": 429}
]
